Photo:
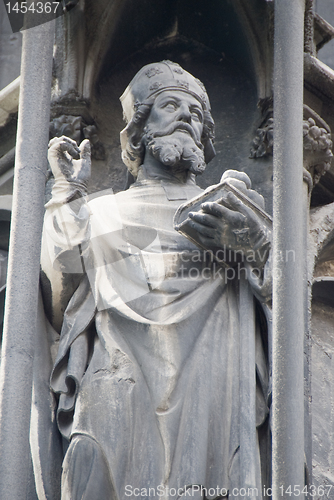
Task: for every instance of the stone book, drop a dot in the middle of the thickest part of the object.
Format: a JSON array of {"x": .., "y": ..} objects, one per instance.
[{"x": 217, "y": 193}]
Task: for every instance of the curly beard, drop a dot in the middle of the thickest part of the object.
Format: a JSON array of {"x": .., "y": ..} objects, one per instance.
[{"x": 177, "y": 148}]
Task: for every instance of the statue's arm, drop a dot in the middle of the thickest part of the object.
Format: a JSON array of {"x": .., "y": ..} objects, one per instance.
[
  {"x": 66, "y": 223},
  {"x": 66, "y": 230}
]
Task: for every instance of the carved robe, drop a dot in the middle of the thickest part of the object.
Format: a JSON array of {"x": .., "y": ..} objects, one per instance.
[{"x": 148, "y": 360}]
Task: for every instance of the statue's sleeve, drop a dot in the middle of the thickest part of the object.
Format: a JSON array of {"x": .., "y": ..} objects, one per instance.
[
  {"x": 259, "y": 273},
  {"x": 65, "y": 238},
  {"x": 66, "y": 234}
]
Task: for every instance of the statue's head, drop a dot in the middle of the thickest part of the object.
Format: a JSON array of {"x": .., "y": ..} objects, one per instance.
[{"x": 167, "y": 112}]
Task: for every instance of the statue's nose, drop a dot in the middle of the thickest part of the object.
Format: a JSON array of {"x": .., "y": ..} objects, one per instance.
[{"x": 184, "y": 114}]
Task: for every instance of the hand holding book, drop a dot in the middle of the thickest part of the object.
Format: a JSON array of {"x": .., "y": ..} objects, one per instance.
[{"x": 229, "y": 216}]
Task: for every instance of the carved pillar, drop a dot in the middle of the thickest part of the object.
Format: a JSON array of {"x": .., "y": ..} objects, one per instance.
[
  {"x": 317, "y": 160},
  {"x": 289, "y": 251},
  {"x": 24, "y": 263}
]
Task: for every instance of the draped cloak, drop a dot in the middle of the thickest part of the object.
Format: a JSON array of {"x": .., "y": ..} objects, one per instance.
[{"x": 157, "y": 387}]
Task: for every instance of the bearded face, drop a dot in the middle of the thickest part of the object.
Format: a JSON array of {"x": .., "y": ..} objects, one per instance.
[
  {"x": 177, "y": 149},
  {"x": 173, "y": 131}
]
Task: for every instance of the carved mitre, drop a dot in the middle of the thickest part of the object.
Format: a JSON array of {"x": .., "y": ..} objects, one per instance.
[{"x": 149, "y": 82}]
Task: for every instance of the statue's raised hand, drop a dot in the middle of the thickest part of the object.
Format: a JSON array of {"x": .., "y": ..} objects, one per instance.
[{"x": 69, "y": 162}]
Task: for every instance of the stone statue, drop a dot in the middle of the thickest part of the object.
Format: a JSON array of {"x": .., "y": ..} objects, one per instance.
[{"x": 147, "y": 371}]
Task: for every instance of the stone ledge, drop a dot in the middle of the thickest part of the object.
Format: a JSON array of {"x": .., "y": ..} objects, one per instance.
[{"x": 319, "y": 77}]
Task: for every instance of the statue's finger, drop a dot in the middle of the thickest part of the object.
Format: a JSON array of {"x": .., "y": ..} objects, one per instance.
[
  {"x": 206, "y": 242},
  {"x": 223, "y": 212},
  {"x": 54, "y": 141},
  {"x": 71, "y": 149},
  {"x": 241, "y": 185},
  {"x": 61, "y": 139},
  {"x": 213, "y": 208},
  {"x": 205, "y": 219},
  {"x": 236, "y": 174},
  {"x": 69, "y": 141},
  {"x": 232, "y": 217},
  {"x": 256, "y": 197},
  {"x": 85, "y": 149},
  {"x": 209, "y": 232},
  {"x": 241, "y": 181},
  {"x": 239, "y": 206}
]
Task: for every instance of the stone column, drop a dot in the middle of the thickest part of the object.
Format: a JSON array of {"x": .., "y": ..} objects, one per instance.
[
  {"x": 289, "y": 252},
  {"x": 24, "y": 263}
]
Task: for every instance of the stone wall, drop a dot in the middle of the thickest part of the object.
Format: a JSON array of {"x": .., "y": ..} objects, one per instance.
[{"x": 10, "y": 50}]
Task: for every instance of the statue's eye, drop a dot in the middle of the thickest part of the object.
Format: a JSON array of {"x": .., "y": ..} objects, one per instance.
[
  {"x": 170, "y": 106},
  {"x": 196, "y": 115}
]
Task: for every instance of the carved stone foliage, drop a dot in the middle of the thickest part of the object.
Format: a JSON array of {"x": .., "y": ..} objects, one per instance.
[
  {"x": 316, "y": 138},
  {"x": 77, "y": 129},
  {"x": 317, "y": 149},
  {"x": 264, "y": 140}
]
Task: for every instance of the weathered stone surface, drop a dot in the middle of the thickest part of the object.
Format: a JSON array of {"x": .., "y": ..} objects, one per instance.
[
  {"x": 326, "y": 10},
  {"x": 323, "y": 394},
  {"x": 10, "y": 50},
  {"x": 228, "y": 45},
  {"x": 143, "y": 340}
]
